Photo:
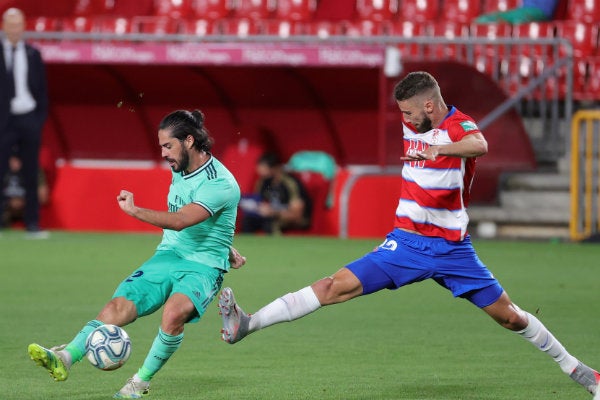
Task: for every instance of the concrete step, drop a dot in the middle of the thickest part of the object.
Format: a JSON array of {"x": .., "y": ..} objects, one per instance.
[{"x": 537, "y": 181}]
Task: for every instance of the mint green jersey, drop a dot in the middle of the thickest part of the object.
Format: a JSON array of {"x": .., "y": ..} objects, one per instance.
[{"x": 213, "y": 187}]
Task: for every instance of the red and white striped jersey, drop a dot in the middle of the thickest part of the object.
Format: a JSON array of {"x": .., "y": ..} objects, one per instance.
[{"x": 435, "y": 194}]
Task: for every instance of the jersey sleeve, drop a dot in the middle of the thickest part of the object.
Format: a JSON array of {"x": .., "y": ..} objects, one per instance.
[
  {"x": 215, "y": 195},
  {"x": 462, "y": 128}
]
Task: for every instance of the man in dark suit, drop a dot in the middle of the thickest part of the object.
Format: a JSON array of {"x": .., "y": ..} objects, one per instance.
[{"x": 23, "y": 111}]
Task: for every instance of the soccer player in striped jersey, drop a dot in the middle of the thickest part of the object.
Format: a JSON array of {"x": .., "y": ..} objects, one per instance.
[
  {"x": 186, "y": 272},
  {"x": 429, "y": 240}
]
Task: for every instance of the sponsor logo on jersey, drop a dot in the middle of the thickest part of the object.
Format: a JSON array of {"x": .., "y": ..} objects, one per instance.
[{"x": 469, "y": 126}]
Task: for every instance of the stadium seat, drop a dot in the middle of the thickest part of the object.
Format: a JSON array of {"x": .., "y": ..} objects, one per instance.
[
  {"x": 463, "y": 11},
  {"x": 419, "y": 10},
  {"x": 198, "y": 27},
  {"x": 410, "y": 29},
  {"x": 212, "y": 9},
  {"x": 241, "y": 27},
  {"x": 155, "y": 25},
  {"x": 113, "y": 25},
  {"x": 583, "y": 11},
  {"x": 253, "y": 9},
  {"x": 173, "y": 8},
  {"x": 490, "y": 6},
  {"x": 583, "y": 37},
  {"x": 77, "y": 25},
  {"x": 366, "y": 28},
  {"x": 377, "y": 10},
  {"x": 448, "y": 30},
  {"x": 324, "y": 29},
  {"x": 284, "y": 28},
  {"x": 491, "y": 32},
  {"x": 296, "y": 10},
  {"x": 533, "y": 30},
  {"x": 43, "y": 24},
  {"x": 93, "y": 7}
]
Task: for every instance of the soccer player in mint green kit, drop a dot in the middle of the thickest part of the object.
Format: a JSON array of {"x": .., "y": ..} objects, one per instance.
[{"x": 186, "y": 271}]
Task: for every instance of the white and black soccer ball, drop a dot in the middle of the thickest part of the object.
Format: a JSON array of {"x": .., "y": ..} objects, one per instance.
[{"x": 108, "y": 347}]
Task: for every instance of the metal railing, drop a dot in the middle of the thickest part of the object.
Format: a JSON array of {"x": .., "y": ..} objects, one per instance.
[{"x": 585, "y": 174}]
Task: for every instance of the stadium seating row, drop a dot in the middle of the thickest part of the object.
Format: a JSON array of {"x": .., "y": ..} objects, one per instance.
[{"x": 302, "y": 10}]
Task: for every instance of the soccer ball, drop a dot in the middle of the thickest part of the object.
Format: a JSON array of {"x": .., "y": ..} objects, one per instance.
[{"x": 108, "y": 347}]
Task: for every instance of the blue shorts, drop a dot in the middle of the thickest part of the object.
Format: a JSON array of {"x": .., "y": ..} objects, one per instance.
[{"x": 404, "y": 258}]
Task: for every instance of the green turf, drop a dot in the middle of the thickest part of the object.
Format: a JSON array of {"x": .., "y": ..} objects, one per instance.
[{"x": 414, "y": 343}]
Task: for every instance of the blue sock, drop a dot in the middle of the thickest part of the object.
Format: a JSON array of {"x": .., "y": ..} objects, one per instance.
[
  {"x": 163, "y": 347},
  {"x": 76, "y": 347}
]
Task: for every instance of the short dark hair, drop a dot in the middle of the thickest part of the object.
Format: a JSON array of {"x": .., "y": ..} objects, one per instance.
[
  {"x": 182, "y": 123},
  {"x": 414, "y": 84},
  {"x": 270, "y": 159}
]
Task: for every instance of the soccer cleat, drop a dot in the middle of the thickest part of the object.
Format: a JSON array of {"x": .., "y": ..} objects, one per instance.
[
  {"x": 133, "y": 390},
  {"x": 235, "y": 320},
  {"x": 597, "y": 388},
  {"x": 49, "y": 359}
]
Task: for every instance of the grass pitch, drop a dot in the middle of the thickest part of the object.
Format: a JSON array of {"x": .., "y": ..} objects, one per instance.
[{"x": 414, "y": 343}]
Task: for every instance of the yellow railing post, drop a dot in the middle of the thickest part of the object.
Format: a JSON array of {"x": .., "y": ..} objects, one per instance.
[{"x": 585, "y": 174}]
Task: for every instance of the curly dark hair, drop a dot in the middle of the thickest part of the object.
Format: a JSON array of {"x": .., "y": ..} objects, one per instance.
[{"x": 182, "y": 123}]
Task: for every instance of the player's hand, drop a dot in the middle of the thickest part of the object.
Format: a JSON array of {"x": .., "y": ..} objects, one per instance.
[
  {"x": 236, "y": 260},
  {"x": 430, "y": 153},
  {"x": 125, "y": 200}
]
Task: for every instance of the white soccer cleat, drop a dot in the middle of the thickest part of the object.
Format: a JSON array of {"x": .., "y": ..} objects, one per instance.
[
  {"x": 133, "y": 390},
  {"x": 235, "y": 320}
]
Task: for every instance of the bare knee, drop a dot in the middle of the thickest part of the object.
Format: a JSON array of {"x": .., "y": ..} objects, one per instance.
[
  {"x": 178, "y": 310},
  {"x": 340, "y": 287},
  {"x": 507, "y": 313},
  {"x": 119, "y": 311}
]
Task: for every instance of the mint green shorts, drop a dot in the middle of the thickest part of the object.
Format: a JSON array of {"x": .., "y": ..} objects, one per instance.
[{"x": 150, "y": 286}]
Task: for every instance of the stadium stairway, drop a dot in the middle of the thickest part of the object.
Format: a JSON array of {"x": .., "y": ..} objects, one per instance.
[{"x": 534, "y": 205}]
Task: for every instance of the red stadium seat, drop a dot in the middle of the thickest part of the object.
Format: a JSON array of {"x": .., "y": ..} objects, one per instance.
[
  {"x": 583, "y": 11},
  {"x": 43, "y": 24},
  {"x": 490, "y": 6},
  {"x": 419, "y": 10},
  {"x": 463, "y": 11},
  {"x": 324, "y": 29},
  {"x": 449, "y": 30},
  {"x": 94, "y": 7},
  {"x": 284, "y": 28},
  {"x": 533, "y": 30},
  {"x": 377, "y": 10},
  {"x": 491, "y": 32},
  {"x": 155, "y": 25},
  {"x": 199, "y": 27},
  {"x": 212, "y": 9},
  {"x": 296, "y": 10},
  {"x": 77, "y": 25},
  {"x": 409, "y": 29},
  {"x": 117, "y": 26},
  {"x": 173, "y": 8},
  {"x": 241, "y": 27},
  {"x": 583, "y": 37},
  {"x": 366, "y": 28},
  {"x": 254, "y": 9}
]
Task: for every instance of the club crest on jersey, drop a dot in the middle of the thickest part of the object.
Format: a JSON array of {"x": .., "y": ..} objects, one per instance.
[
  {"x": 469, "y": 126},
  {"x": 389, "y": 245}
]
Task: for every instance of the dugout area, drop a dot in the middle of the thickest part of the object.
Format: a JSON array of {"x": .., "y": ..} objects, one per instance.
[{"x": 103, "y": 119}]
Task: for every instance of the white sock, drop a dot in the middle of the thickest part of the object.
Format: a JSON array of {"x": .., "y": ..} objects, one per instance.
[
  {"x": 286, "y": 308},
  {"x": 537, "y": 334}
]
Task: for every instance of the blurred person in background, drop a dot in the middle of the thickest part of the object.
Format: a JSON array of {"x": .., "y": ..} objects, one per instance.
[
  {"x": 280, "y": 201},
  {"x": 23, "y": 111},
  {"x": 529, "y": 11}
]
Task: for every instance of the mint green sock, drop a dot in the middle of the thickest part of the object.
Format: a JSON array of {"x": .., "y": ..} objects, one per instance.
[
  {"x": 76, "y": 347},
  {"x": 163, "y": 347}
]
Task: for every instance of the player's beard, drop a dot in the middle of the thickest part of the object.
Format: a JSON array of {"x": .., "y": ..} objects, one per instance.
[
  {"x": 425, "y": 125},
  {"x": 182, "y": 163}
]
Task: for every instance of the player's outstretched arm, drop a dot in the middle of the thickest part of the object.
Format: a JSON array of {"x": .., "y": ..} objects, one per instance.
[{"x": 188, "y": 215}]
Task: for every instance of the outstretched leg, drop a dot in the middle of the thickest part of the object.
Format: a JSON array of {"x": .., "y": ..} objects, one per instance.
[
  {"x": 340, "y": 287},
  {"x": 510, "y": 316}
]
